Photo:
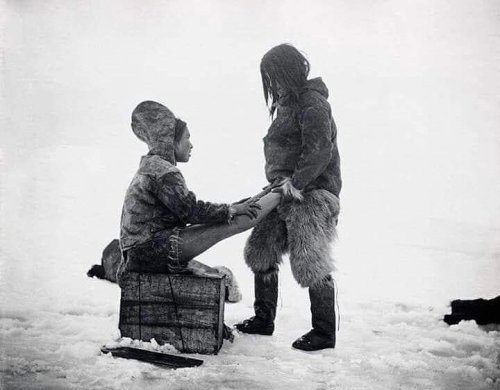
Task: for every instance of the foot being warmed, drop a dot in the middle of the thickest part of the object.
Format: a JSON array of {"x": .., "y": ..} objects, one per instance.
[{"x": 233, "y": 293}]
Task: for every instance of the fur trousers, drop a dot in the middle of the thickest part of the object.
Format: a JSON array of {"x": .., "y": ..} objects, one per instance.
[{"x": 305, "y": 230}]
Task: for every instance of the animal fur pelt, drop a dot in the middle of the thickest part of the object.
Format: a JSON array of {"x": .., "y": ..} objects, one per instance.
[
  {"x": 111, "y": 258},
  {"x": 305, "y": 230}
]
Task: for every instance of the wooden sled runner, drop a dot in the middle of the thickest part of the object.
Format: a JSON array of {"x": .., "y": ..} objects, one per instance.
[{"x": 157, "y": 358}]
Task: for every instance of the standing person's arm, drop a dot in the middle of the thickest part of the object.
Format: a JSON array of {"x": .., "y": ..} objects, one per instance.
[{"x": 317, "y": 146}]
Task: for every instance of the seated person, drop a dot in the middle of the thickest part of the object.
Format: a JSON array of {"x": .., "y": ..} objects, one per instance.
[{"x": 163, "y": 225}]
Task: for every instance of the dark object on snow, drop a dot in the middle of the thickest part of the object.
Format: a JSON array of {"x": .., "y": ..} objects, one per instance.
[
  {"x": 161, "y": 359},
  {"x": 483, "y": 311},
  {"x": 97, "y": 271},
  {"x": 186, "y": 311},
  {"x": 111, "y": 258}
]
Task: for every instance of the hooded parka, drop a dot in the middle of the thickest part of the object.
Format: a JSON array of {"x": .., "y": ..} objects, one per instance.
[
  {"x": 301, "y": 144},
  {"x": 158, "y": 203}
]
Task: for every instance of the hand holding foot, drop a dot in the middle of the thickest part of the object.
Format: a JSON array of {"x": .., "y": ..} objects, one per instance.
[{"x": 250, "y": 208}]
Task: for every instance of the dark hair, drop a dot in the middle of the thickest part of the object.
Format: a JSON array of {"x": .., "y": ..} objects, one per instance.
[
  {"x": 285, "y": 65},
  {"x": 180, "y": 126}
]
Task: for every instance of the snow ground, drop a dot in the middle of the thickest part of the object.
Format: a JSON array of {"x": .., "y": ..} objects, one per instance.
[
  {"x": 392, "y": 297},
  {"x": 381, "y": 346}
]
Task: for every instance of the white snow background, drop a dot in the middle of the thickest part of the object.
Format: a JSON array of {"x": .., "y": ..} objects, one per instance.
[{"x": 415, "y": 94}]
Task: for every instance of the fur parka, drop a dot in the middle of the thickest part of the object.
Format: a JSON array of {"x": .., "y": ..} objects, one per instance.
[
  {"x": 301, "y": 145},
  {"x": 157, "y": 199},
  {"x": 301, "y": 142}
]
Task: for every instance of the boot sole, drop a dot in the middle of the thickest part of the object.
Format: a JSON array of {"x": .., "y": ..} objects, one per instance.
[
  {"x": 309, "y": 349},
  {"x": 265, "y": 333}
]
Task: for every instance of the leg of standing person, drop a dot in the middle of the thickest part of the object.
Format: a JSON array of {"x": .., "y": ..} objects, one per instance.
[
  {"x": 311, "y": 229},
  {"x": 263, "y": 253}
]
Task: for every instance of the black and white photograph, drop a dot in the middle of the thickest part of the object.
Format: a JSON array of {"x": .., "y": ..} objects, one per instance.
[{"x": 227, "y": 195}]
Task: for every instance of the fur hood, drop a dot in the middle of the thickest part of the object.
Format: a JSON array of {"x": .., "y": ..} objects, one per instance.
[
  {"x": 154, "y": 124},
  {"x": 316, "y": 85}
]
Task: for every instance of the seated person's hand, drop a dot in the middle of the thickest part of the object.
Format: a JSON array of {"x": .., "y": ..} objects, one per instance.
[
  {"x": 241, "y": 201},
  {"x": 250, "y": 208}
]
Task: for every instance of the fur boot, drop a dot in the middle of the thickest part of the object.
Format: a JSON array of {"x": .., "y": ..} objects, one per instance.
[
  {"x": 322, "y": 335},
  {"x": 266, "y": 300}
]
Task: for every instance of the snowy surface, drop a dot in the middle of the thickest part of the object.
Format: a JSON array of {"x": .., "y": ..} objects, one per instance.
[
  {"x": 415, "y": 95},
  {"x": 381, "y": 345},
  {"x": 392, "y": 297}
]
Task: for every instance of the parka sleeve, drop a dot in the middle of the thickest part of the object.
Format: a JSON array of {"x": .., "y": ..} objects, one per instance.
[
  {"x": 317, "y": 146},
  {"x": 172, "y": 191}
]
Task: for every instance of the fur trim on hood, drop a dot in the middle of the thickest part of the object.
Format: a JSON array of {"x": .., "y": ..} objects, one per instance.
[{"x": 154, "y": 124}]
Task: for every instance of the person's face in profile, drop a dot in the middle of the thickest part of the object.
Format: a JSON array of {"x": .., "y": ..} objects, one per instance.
[{"x": 183, "y": 147}]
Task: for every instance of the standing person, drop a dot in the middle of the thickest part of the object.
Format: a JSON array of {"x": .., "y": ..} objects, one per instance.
[
  {"x": 163, "y": 225},
  {"x": 301, "y": 155}
]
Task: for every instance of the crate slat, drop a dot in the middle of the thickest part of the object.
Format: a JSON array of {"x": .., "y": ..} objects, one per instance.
[{"x": 157, "y": 313}]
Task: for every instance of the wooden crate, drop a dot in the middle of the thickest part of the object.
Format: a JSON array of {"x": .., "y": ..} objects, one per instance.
[{"x": 192, "y": 319}]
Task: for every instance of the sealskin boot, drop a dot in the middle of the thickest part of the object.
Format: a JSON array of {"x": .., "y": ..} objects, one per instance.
[
  {"x": 266, "y": 300},
  {"x": 322, "y": 336}
]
